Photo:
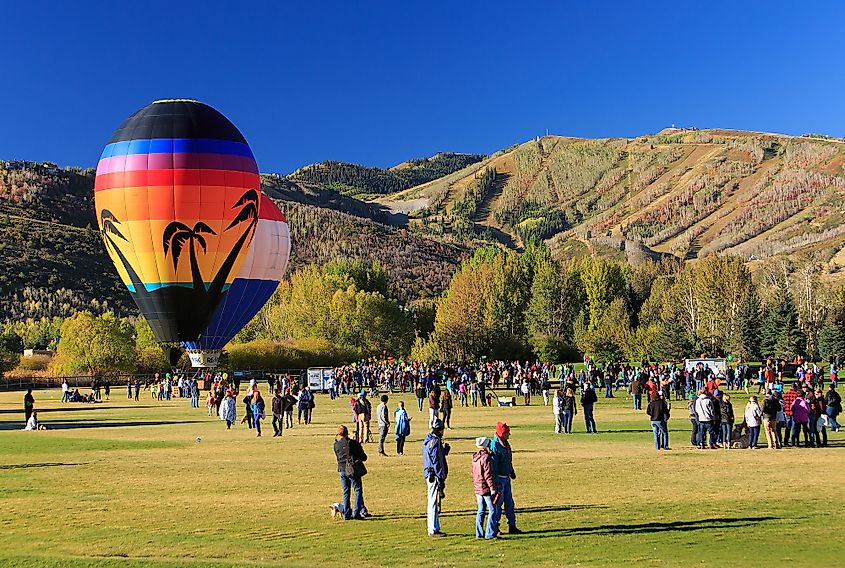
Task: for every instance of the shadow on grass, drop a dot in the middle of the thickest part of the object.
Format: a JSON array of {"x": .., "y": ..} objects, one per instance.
[
  {"x": 84, "y": 424},
  {"x": 673, "y": 526},
  {"x": 71, "y": 406},
  {"x": 31, "y": 465},
  {"x": 471, "y": 512}
]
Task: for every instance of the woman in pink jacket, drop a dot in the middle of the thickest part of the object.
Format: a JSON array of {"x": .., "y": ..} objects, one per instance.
[
  {"x": 485, "y": 488},
  {"x": 800, "y": 418}
]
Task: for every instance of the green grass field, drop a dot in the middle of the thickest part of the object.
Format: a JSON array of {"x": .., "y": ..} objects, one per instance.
[{"x": 127, "y": 484}]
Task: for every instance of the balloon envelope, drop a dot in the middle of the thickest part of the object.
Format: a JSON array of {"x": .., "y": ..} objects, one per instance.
[
  {"x": 177, "y": 202},
  {"x": 260, "y": 274}
]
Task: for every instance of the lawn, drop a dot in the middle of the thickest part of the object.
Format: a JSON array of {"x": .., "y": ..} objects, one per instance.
[{"x": 128, "y": 484}]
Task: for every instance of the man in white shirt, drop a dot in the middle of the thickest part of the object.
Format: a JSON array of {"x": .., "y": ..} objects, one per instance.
[{"x": 65, "y": 390}]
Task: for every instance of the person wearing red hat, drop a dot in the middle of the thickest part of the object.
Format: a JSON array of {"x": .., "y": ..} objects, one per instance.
[{"x": 503, "y": 470}]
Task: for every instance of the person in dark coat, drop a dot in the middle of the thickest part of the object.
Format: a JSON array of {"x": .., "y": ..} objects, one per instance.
[
  {"x": 28, "y": 404},
  {"x": 350, "y": 466}
]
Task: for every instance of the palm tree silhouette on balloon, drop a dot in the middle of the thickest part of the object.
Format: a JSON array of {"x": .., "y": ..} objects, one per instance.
[
  {"x": 109, "y": 231},
  {"x": 177, "y": 234}
]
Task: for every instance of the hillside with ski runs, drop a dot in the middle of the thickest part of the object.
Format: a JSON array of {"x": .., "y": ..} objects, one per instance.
[{"x": 683, "y": 193}]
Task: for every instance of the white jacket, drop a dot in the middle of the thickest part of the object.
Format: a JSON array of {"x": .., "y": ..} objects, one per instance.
[{"x": 753, "y": 414}]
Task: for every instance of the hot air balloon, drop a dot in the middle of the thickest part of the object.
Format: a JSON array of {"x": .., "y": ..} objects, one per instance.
[
  {"x": 260, "y": 274},
  {"x": 177, "y": 198}
]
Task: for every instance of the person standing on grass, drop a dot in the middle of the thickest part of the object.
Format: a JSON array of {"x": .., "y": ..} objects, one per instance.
[
  {"x": 800, "y": 418},
  {"x": 557, "y": 409},
  {"x": 546, "y": 387},
  {"x": 833, "y": 404},
  {"x": 249, "y": 417},
  {"x": 257, "y": 407},
  {"x": 228, "y": 410},
  {"x": 446, "y": 408},
  {"x": 658, "y": 412},
  {"x": 504, "y": 473},
  {"x": 289, "y": 403},
  {"x": 588, "y": 399},
  {"x": 362, "y": 410},
  {"x": 137, "y": 388},
  {"x": 570, "y": 409},
  {"x": 195, "y": 394},
  {"x": 726, "y": 420},
  {"x": 525, "y": 389},
  {"x": 383, "y": 417},
  {"x": 107, "y": 388},
  {"x": 433, "y": 407},
  {"x": 278, "y": 412},
  {"x": 770, "y": 410},
  {"x": 28, "y": 404},
  {"x": 788, "y": 398},
  {"x": 753, "y": 415},
  {"x": 435, "y": 471},
  {"x": 705, "y": 413},
  {"x": 485, "y": 488},
  {"x": 636, "y": 390},
  {"x": 209, "y": 403},
  {"x": 403, "y": 427},
  {"x": 419, "y": 392},
  {"x": 350, "y": 466}
]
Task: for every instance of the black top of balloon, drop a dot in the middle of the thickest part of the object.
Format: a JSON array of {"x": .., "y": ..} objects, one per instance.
[{"x": 177, "y": 118}]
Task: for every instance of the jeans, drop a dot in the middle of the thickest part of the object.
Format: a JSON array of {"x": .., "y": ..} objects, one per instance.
[
  {"x": 382, "y": 434},
  {"x": 608, "y": 390},
  {"x": 703, "y": 429},
  {"x": 753, "y": 435},
  {"x": 288, "y": 418},
  {"x": 258, "y": 425},
  {"x": 195, "y": 401},
  {"x": 661, "y": 434},
  {"x": 725, "y": 433},
  {"x": 506, "y": 502},
  {"x": 831, "y": 413},
  {"x": 347, "y": 482},
  {"x": 638, "y": 402},
  {"x": 433, "y": 509},
  {"x": 813, "y": 433},
  {"x": 277, "y": 424},
  {"x": 419, "y": 403},
  {"x": 567, "y": 422},
  {"x": 485, "y": 504},
  {"x": 695, "y": 429},
  {"x": 789, "y": 427},
  {"x": 400, "y": 444},
  {"x": 588, "y": 418},
  {"x": 796, "y": 428}
]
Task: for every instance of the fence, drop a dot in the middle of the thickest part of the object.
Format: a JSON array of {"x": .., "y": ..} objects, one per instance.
[{"x": 117, "y": 381}]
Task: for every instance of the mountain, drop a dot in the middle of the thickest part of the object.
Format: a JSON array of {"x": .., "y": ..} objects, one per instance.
[
  {"x": 680, "y": 192},
  {"x": 683, "y": 192},
  {"x": 53, "y": 263}
]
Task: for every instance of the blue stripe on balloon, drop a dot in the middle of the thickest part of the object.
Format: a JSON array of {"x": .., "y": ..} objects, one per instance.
[
  {"x": 176, "y": 146},
  {"x": 243, "y": 300}
]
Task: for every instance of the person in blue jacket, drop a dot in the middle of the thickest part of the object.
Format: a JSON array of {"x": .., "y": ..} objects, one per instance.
[
  {"x": 435, "y": 471},
  {"x": 504, "y": 473}
]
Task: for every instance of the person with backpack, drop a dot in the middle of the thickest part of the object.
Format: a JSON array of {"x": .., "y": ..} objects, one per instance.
[
  {"x": 350, "y": 466},
  {"x": 833, "y": 403},
  {"x": 588, "y": 399},
  {"x": 485, "y": 488},
  {"x": 753, "y": 416},
  {"x": 704, "y": 410},
  {"x": 435, "y": 471}
]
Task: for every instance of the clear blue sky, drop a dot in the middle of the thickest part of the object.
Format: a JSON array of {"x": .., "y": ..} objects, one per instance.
[{"x": 379, "y": 82}]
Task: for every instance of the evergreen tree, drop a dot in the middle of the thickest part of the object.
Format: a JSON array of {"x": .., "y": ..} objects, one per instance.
[{"x": 746, "y": 340}]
